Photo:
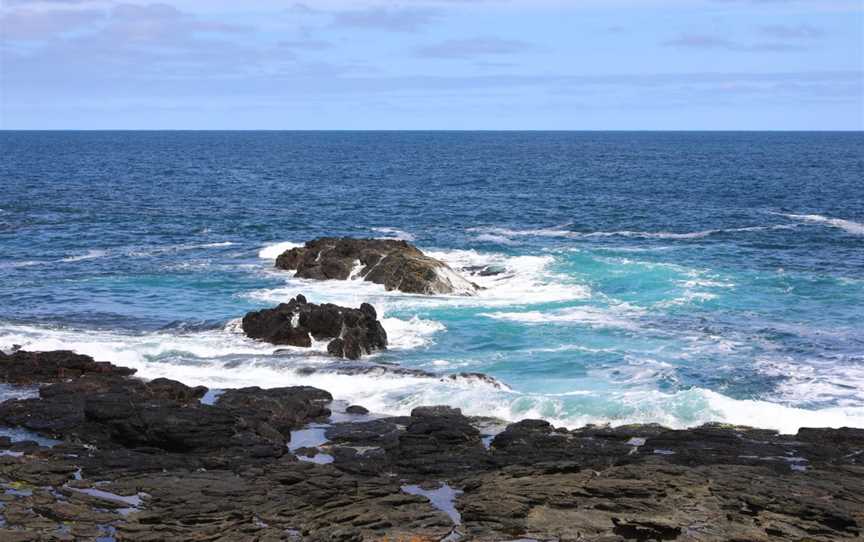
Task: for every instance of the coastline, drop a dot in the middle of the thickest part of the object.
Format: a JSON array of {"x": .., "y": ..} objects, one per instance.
[{"x": 157, "y": 460}]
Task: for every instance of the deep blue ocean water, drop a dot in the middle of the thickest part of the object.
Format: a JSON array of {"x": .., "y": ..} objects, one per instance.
[{"x": 676, "y": 278}]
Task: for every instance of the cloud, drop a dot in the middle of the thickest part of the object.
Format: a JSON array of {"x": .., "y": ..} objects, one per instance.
[
  {"x": 474, "y": 47},
  {"x": 161, "y": 21},
  {"x": 306, "y": 44},
  {"x": 27, "y": 24},
  {"x": 708, "y": 42},
  {"x": 395, "y": 19},
  {"x": 135, "y": 42},
  {"x": 699, "y": 41},
  {"x": 126, "y": 22},
  {"x": 799, "y": 32}
]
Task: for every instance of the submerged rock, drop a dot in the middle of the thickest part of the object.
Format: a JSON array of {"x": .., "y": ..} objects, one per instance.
[
  {"x": 352, "y": 332},
  {"x": 398, "y": 265}
]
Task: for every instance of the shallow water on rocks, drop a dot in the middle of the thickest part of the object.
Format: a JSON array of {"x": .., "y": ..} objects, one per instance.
[{"x": 442, "y": 498}]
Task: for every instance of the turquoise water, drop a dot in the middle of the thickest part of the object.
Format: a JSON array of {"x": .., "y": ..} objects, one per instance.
[{"x": 648, "y": 277}]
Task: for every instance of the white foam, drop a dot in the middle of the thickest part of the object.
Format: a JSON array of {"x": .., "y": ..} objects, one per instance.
[
  {"x": 26, "y": 263},
  {"x": 525, "y": 280},
  {"x": 133, "y": 349},
  {"x": 271, "y": 252},
  {"x": 571, "y": 348},
  {"x": 815, "y": 383},
  {"x": 393, "y": 233},
  {"x": 855, "y": 228},
  {"x": 89, "y": 255},
  {"x": 457, "y": 283},
  {"x": 556, "y": 231},
  {"x": 679, "y": 410},
  {"x": 202, "y": 359},
  {"x": 559, "y": 232},
  {"x": 688, "y": 298},
  {"x": 412, "y": 333},
  {"x": 356, "y": 268},
  {"x": 783, "y": 418},
  {"x": 591, "y": 316},
  {"x": 492, "y": 238},
  {"x": 142, "y": 252},
  {"x": 705, "y": 283},
  {"x": 209, "y": 245}
]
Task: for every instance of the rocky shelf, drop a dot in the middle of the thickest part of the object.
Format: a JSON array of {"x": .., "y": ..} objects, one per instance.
[{"x": 98, "y": 454}]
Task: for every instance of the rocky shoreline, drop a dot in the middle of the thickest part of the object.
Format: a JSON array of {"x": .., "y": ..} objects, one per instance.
[{"x": 98, "y": 454}]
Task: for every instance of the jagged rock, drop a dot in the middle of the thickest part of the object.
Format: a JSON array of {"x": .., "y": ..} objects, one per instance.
[
  {"x": 398, "y": 265},
  {"x": 283, "y": 409},
  {"x": 165, "y": 467},
  {"x": 474, "y": 378},
  {"x": 21, "y": 367},
  {"x": 486, "y": 270},
  {"x": 165, "y": 416},
  {"x": 353, "y": 332}
]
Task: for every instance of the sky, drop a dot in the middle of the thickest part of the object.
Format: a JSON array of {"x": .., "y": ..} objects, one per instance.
[{"x": 432, "y": 64}]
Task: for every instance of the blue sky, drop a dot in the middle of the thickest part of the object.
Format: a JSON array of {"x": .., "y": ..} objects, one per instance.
[{"x": 432, "y": 64}]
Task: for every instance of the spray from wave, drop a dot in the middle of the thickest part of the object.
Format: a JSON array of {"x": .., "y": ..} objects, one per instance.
[
  {"x": 271, "y": 252},
  {"x": 855, "y": 228}
]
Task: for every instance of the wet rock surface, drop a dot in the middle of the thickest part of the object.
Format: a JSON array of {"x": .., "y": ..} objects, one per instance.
[
  {"x": 147, "y": 461},
  {"x": 21, "y": 367},
  {"x": 398, "y": 265},
  {"x": 351, "y": 332}
]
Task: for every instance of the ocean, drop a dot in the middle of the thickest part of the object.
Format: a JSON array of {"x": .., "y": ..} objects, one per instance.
[{"x": 676, "y": 277}]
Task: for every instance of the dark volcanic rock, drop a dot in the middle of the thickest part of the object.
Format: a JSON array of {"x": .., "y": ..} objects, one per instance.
[
  {"x": 165, "y": 416},
  {"x": 116, "y": 411},
  {"x": 23, "y": 367},
  {"x": 357, "y": 409},
  {"x": 283, "y": 409},
  {"x": 397, "y": 265},
  {"x": 146, "y": 461},
  {"x": 353, "y": 332},
  {"x": 433, "y": 441}
]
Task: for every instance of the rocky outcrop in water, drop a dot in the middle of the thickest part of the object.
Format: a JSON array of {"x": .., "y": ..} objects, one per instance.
[
  {"x": 398, "y": 265},
  {"x": 146, "y": 461},
  {"x": 351, "y": 332}
]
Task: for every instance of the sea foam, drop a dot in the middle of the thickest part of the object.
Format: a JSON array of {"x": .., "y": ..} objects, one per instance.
[
  {"x": 855, "y": 228},
  {"x": 506, "y": 233},
  {"x": 271, "y": 252}
]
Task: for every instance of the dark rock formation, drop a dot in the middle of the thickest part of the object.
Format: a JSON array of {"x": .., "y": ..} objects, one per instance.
[
  {"x": 491, "y": 270},
  {"x": 146, "y": 461},
  {"x": 357, "y": 409},
  {"x": 397, "y": 265},
  {"x": 22, "y": 367},
  {"x": 352, "y": 332},
  {"x": 282, "y": 409},
  {"x": 165, "y": 416}
]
